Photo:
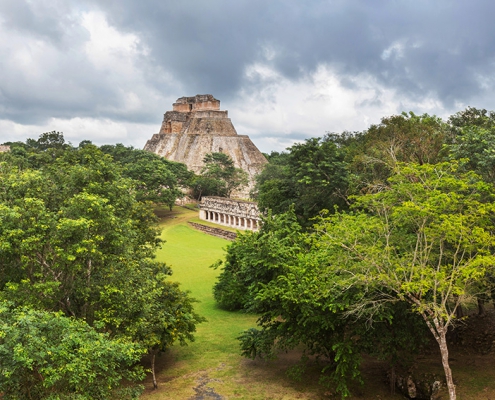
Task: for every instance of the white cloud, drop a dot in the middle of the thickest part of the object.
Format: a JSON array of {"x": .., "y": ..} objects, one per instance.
[
  {"x": 395, "y": 51},
  {"x": 95, "y": 89},
  {"x": 277, "y": 112},
  {"x": 122, "y": 58},
  {"x": 99, "y": 131},
  {"x": 107, "y": 48}
]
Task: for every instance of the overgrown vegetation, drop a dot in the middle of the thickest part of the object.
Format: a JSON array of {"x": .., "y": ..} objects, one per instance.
[
  {"x": 365, "y": 231},
  {"x": 372, "y": 242},
  {"x": 218, "y": 177},
  {"x": 77, "y": 248}
]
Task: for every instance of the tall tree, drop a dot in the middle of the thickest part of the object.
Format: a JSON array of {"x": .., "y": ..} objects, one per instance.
[
  {"x": 274, "y": 189},
  {"x": 473, "y": 139},
  {"x": 158, "y": 180},
  {"x": 427, "y": 242},
  {"x": 219, "y": 177},
  {"x": 257, "y": 258},
  {"x": 313, "y": 176},
  {"x": 284, "y": 274},
  {"x": 400, "y": 138}
]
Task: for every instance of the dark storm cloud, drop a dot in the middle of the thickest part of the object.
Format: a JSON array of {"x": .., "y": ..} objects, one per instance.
[
  {"x": 51, "y": 21},
  {"x": 206, "y": 44},
  {"x": 424, "y": 50},
  {"x": 442, "y": 48},
  {"x": 45, "y": 69}
]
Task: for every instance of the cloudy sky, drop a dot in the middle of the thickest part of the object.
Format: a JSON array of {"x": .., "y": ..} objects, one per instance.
[{"x": 107, "y": 70}]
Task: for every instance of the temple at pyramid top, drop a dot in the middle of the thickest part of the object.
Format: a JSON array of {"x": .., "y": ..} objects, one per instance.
[
  {"x": 195, "y": 127},
  {"x": 198, "y": 102}
]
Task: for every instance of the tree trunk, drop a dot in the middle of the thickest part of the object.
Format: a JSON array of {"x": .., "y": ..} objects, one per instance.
[
  {"x": 84, "y": 308},
  {"x": 444, "y": 351},
  {"x": 153, "y": 354},
  {"x": 439, "y": 331},
  {"x": 392, "y": 379},
  {"x": 481, "y": 307}
]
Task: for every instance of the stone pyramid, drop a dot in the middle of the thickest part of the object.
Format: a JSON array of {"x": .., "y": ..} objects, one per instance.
[{"x": 195, "y": 127}]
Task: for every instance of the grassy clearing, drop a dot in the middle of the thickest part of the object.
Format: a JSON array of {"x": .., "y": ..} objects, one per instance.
[
  {"x": 213, "y": 363},
  {"x": 213, "y": 360}
]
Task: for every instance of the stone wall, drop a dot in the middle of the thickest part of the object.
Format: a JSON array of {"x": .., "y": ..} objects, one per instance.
[
  {"x": 238, "y": 214},
  {"x": 4, "y": 148},
  {"x": 198, "y": 102},
  {"x": 214, "y": 231}
]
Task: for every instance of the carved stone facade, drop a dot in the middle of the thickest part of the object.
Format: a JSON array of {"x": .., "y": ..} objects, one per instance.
[
  {"x": 239, "y": 214},
  {"x": 195, "y": 127},
  {"x": 4, "y": 148}
]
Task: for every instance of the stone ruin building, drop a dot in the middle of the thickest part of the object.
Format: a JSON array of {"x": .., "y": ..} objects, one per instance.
[
  {"x": 239, "y": 214},
  {"x": 195, "y": 127}
]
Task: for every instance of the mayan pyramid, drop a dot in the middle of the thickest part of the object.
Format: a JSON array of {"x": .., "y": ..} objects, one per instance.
[{"x": 195, "y": 127}]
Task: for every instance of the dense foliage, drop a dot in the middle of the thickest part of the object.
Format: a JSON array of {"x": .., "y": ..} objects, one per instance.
[
  {"x": 159, "y": 180},
  {"x": 218, "y": 177},
  {"x": 257, "y": 258},
  {"x": 364, "y": 232},
  {"x": 312, "y": 176},
  {"x": 47, "y": 355},
  {"x": 77, "y": 239}
]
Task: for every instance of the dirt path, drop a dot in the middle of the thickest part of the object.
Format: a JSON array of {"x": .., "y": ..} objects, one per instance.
[{"x": 203, "y": 391}]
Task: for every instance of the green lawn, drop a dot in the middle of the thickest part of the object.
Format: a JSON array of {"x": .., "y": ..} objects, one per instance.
[
  {"x": 213, "y": 359},
  {"x": 190, "y": 254}
]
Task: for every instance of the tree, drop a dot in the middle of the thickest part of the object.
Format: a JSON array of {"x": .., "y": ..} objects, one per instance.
[
  {"x": 165, "y": 315},
  {"x": 257, "y": 258},
  {"x": 159, "y": 180},
  {"x": 472, "y": 116},
  {"x": 419, "y": 248},
  {"x": 426, "y": 241},
  {"x": 47, "y": 355},
  {"x": 284, "y": 274},
  {"x": 37, "y": 153},
  {"x": 399, "y": 138},
  {"x": 313, "y": 176},
  {"x": 473, "y": 135},
  {"x": 320, "y": 174},
  {"x": 68, "y": 230},
  {"x": 75, "y": 239},
  {"x": 49, "y": 140},
  {"x": 219, "y": 177},
  {"x": 274, "y": 189}
]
